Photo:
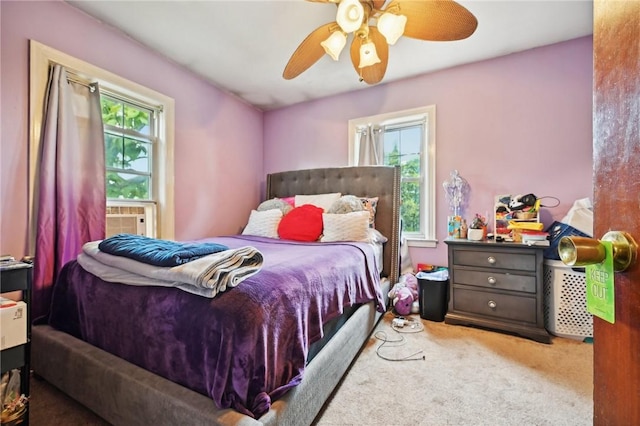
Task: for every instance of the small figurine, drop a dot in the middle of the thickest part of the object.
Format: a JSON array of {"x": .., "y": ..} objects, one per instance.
[{"x": 463, "y": 229}]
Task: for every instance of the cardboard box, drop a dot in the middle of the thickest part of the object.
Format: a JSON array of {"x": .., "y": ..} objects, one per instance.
[{"x": 13, "y": 323}]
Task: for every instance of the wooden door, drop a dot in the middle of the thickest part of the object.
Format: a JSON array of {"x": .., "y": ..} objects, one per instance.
[{"x": 616, "y": 154}]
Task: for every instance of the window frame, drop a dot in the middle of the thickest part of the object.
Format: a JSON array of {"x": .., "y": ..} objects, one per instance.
[
  {"x": 427, "y": 238},
  {"x": 41, "y": 58}
]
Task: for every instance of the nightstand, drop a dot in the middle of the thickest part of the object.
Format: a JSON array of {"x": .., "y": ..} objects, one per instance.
[{"x": 497, "y": 286}]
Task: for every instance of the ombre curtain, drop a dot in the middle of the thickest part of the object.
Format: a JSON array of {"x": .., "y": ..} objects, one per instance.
[
  {"x": 369, "y": 142},
  {"x": 70, "y": 191}
]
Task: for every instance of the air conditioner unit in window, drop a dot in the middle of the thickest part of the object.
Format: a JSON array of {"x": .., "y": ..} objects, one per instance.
[
  {"x": 126, "y": 224},
  {"x": 131, "y": 218}
]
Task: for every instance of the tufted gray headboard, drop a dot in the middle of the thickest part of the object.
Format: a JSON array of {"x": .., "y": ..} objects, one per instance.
[{"x": 365, "y": 181}]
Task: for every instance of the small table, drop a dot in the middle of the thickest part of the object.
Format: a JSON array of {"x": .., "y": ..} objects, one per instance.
[
  {"x": 16, "y": 276},
  {"x": 497, "y": 286}
]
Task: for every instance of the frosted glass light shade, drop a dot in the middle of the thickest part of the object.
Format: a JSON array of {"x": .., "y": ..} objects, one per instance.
[
  {"x": 334, "y": 44},
  {"x": 350, "y": 15},
  {"x": 368, "y": 55},
  {"x": 392, "y": 26}
]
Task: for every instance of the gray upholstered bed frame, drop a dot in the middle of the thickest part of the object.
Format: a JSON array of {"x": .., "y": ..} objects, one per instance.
[{"x": 124, "y": 394}]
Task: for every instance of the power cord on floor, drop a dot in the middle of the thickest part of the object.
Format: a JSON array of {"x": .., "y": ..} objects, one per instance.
[{"x": 382, "y": 335}]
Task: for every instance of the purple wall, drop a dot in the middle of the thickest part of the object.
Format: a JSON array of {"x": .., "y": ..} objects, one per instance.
[
  {"x": 217, "y": 137},
  {"x": 516, "y": 124}
]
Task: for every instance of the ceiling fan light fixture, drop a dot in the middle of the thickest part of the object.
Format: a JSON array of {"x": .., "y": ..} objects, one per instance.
[
  {"x": 334, "y": 44},
  {"x": 350, "y": 15},
  {"x": 368, "y": 55},
  {"x": 429, "y": 20},
  {"x": 391, "y": 26}
]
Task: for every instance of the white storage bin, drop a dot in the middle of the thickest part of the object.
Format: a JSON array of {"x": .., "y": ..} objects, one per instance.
[
  {"x": 13, "y": 323},
  {"x": 565, "y": 301}
]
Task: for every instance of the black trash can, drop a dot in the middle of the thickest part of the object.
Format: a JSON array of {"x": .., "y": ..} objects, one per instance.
[{"x": 433, "y": 288}]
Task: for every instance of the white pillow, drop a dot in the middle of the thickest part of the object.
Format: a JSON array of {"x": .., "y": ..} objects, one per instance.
[
  {"x": 345, "y": 227},
  {"x": 324, "y": 201},
  {"x": 263, "y": 224},
  {"x": 376, "y": 237}
]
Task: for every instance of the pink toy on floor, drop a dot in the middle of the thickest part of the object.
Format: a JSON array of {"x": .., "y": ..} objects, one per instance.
[
  {"x": 404, "y": 301},
  {"x": 404, "y": 295}
]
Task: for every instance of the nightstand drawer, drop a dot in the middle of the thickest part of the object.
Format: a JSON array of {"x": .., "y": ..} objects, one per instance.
[
  {"x": 513, "y": 308},
  {"x": 495, "y": 259},
  {"x": 489, "y": 279}
]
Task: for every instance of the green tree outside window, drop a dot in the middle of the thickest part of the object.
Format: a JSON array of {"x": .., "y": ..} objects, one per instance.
[
  {"x": 409, "y": 189},
  {"x": 127, "y": 149}
]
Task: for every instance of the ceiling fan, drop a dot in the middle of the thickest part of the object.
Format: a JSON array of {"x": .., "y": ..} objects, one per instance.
[{"x": 431, "y": 20}]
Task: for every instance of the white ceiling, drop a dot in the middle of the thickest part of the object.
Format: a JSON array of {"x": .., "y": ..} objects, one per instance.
[{"x": 243, "y": 46}]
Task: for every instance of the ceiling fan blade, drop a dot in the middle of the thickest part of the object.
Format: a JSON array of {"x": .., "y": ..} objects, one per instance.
[
  {"x": 377, "y": 4},
  {"x": 372, "y": 74},
  {"x": 435, "y": 20},
  {"x": 308, "y": 52}
]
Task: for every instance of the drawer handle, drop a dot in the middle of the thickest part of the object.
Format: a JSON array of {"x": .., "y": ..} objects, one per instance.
[
  {"x": 491, "y": 280},
  {"x": 492, "y": 304},
  {"x": 491, "y": 260}
]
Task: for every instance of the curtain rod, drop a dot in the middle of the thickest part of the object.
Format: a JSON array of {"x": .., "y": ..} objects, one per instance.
[
  {"x": 75, "y": 78},
  {"x": 365, "y": 129}
]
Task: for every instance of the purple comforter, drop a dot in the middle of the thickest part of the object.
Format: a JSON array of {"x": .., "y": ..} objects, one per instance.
[{"x": 244, "y": 348}]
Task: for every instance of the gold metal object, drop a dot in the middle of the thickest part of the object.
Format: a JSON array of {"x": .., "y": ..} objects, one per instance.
[
  {"x": 582, "y": 251},
  {"x": 625, "y": 249}
]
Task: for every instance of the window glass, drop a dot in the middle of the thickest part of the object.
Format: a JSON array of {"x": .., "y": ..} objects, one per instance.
[
  {"x": 405, "y": 139},
  {"x": 129, "y": 132},
  {"x": 403, "y": 147}
]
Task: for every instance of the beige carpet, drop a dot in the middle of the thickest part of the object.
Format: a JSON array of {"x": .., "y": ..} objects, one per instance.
[{"x": 468, "y": 377}]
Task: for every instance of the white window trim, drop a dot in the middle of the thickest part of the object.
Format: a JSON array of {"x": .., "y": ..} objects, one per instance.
[
  {"x": 427, "y": 113},
  {"x": 41, "y": 57}
]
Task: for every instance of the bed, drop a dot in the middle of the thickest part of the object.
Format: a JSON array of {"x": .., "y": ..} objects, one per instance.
[{"x": 123, "y": 393}]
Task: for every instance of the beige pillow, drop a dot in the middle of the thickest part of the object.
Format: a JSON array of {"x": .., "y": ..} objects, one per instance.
[
  {"x": 346, "y": 204},
  {"x": 264, "y": 223},
  {"x": 345, "y": 227},
  {"x": 324, "y": 201},
  {"x": 275, "y": 203}
]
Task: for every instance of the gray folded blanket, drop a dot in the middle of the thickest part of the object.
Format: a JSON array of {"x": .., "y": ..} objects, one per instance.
[{"x": 206, "y": 276}]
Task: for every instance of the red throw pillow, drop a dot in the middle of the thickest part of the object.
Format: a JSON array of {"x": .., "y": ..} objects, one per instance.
[{"x": 303, "y": 223}]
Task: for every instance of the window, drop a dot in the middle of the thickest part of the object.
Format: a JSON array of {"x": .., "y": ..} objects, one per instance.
[
  {"x": 139, "y": 137},
  {"x": 407, "y": 139},
  {"x": 130, "y": 136}
]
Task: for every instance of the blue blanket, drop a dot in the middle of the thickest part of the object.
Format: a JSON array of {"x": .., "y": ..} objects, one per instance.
[{"x": 157, "y": 252}]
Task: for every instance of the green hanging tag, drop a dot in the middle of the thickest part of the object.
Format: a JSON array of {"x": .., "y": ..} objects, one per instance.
[{"x": 600, "y": 288}]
